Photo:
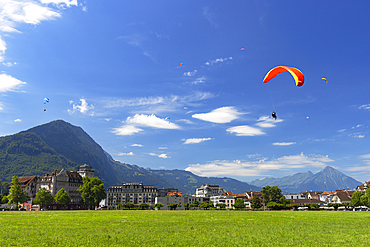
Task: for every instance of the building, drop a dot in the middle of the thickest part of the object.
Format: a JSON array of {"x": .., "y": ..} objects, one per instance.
[
  {"x": 68, "y": 180},
  {"x": 294, "y": 196},
  {"x": 136, "y": 193},
  {"x": 29, "y": 184},
  {"x": 181, "y": 200},
  {"x": 228, "y": 200},
  {"x": 209, "y": 190},
  {"x": 363, "y": 187},
  {"x": 163, "y": 192}
]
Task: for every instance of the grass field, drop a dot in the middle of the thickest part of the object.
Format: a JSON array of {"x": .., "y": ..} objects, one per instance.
[{"x": 184, "y": 228}]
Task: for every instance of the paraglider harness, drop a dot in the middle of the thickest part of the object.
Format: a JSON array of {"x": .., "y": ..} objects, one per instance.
[{"x": 273, "y": 114}]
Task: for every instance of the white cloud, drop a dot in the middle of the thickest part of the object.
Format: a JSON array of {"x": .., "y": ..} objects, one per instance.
[
  {"x": 163, "y": 148},
  {"x": 196, "y": 140},
  {"x": 357, "y": 135},
  {"x": 14, "y": 12},
  {"x": 126, "y": 130},
  {"x": 283, "y": 143},
  {"x": 266, "y": 122},
  {"x": 366, "y": 107},
  {"x": 158, "y": 104},
  {"x": 151, "y": 121},
  {"x": 1, "y": 106},
  {"x": 245, "y": 130},
  {"x": 199, "y": 80},
  {"x": 128, "y": 154},
  {"x": 84, "y": 108},
  {"x": 163, "y": 156},
  {"x": 136, "y": 145},
  {"x": 60, "y": 3},
  {"x": 218, "y": 60},
  {"x": 18, "y": 120},
  {"x": 257, "y": 168},
  {"x": 190, "y": 73},
  {"x": 221, "y": 115},
  {"x": 9, "y": 83},
  {"x": 9, "y": 64},
  {"x": 341, "y": 130}
]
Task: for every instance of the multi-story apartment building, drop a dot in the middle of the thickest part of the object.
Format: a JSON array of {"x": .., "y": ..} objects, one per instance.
[
  {"x": 69, "y": 180},
  {"x": 209, "y": 190},
  {"x": 135, "y": 193},
  {"x": 181, "y": 200}
]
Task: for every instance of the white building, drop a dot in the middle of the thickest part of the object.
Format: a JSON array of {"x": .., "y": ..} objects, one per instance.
[
  {"x": 209, "y": 190},
  {"x": 294, "y": 196},
  {"x": 229, "y": 201}
]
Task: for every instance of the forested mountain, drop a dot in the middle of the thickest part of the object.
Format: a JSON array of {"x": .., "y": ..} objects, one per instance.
[{"x": 327, "y": 179}]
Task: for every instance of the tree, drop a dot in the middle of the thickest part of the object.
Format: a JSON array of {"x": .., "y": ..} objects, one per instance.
[
  {"x": 92, "y": 191},
  {"x": 356, "y": 198},
  {"x": 365, "y": 199},
  {"x": 173, "y": 206},
  {"x": 334, "y": 205},
  {"x": 239, "y": 204},
  {"x": 195, "y": 204},
  {"x": 119, "y": 206},
  {"x": 144, "y": 206},
  {"x": 43, "y": 197},
  {"x": 205, "y": 205},
  {"x": 266, "y": 194},
  {"x": 129, "y": 205},
  {"x": 158, "y": 205},
  {"x": 187, "y": 206},
  {"x": 256, "y": 202},
  {"x": 16, "y": 195},
  {"x": 62, "y": 197}
]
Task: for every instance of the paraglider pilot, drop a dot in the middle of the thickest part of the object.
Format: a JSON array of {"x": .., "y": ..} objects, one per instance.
[{"x": 273, "y": 114}]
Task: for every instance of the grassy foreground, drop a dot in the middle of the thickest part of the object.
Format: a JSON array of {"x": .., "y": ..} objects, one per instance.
[{"x": 184, "y": 228}]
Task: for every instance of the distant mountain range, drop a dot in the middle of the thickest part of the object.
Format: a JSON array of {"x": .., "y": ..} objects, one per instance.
[
  {"x": 59, "y": 144},
  {"x": 327, "y": 179}
]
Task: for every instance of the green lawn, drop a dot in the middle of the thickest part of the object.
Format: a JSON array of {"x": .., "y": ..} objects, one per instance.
[{"x": 184, "y": 228}]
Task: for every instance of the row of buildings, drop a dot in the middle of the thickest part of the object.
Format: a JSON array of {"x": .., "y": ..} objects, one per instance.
[
  {"x": 57, "y": 179},
  {"x": 137, "y": 193}
]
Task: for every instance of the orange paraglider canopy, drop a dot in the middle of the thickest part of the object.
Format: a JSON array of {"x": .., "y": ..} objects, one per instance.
[{"x": 296, "y": 73}]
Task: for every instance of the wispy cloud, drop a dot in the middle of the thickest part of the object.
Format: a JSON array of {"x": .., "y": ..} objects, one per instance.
[
  {"x": 357, "y": 135},
  {"x": 283, "y": 143},
  {"x": 365, "y": 107},
  {"x": 210, "y": 16},
  {"x": 9, "y": 83},
  {"x": 163, "y": 156},
  {"x": 126, "y": 154},
  {"x": 198, "y": 80},
  {"x": 190, "y": 73},
  {"x": 126, "y": 130},
  {"x": 266, "y": 122},
  {"x": 83, "y": 108},
  {"x": 158, "y": 104},
  {"x": 221, "y": 115},
  {"x": 151, "y": 121},
  {"x": 136, "y": 145},
  {"x": 218, "y": 60},
  {"x": 18, "y": 120},
  {"x": 245, "y": 130},
  {"x": 260, "y": 167},
  {"x": 196, "y": 140}
]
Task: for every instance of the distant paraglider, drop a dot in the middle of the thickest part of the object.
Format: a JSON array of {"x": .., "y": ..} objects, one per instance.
[
  {"x": 324, "y": 79},
  {"x": 181, "y": 64},
  {"x": 242, "y": 49},
  {"x": 167, "y": 119},
  {"x": 273, "y": 114},
  {"x": 46, "y": 100},
  {"x": 296, "y": 73}
]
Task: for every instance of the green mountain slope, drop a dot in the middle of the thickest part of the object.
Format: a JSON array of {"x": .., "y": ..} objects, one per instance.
[{"x": 26, "y": 154}]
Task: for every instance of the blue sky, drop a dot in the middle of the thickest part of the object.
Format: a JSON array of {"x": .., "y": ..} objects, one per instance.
[{"x": 113, "y": 68}]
